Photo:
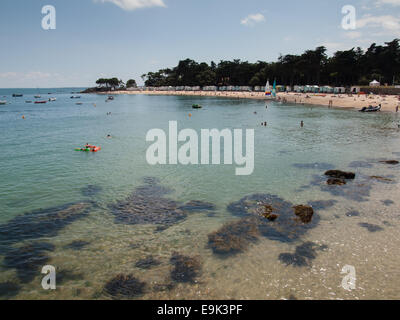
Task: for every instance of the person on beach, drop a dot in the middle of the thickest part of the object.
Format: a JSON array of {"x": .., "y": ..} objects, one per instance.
[
  {"x": 302, "y": 123},
  {"x": 397, "y": 108}
]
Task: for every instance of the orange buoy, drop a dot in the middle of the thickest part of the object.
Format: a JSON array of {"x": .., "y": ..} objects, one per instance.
[{"x": 23, "y": 117}]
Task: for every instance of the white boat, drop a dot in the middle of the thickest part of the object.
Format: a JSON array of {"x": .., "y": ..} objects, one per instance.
[
  {"x": 3, "y": 102},
  {"x": 37, "y": 97},
  {"x": 52, "y": 99}
]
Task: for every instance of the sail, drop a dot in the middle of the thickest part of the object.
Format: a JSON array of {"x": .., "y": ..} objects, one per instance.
[
  {"x": 267, "y": 89},
  {"x": 274, "y": 89}
]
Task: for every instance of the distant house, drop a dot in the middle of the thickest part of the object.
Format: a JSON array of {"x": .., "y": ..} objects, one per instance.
[{"x": 340, "y": 90}]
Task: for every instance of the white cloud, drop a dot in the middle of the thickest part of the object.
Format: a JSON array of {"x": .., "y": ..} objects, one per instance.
[
  {"x": 252, "y": 19},
  {"x": 392, "y": 2},
  {"x": 388, "y": 23},
  {"x": 135, "y": 4}
]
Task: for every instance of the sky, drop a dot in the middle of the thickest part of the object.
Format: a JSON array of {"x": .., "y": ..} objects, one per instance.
[{"x": 127, "y": 38}]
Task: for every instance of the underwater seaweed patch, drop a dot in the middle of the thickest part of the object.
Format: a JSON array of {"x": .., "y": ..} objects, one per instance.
[
  {"x": 185, "y": 269},
  {"x": 124, "y": 287}
]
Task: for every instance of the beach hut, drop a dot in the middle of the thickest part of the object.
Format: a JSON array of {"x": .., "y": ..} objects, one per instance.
[
  {"x": 340, "y": 90},
  {"x": 355, "y": 89},
  {"x": 374, "y": 83}
]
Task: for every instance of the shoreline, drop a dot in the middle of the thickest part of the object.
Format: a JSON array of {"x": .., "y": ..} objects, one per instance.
[{"x": 345, "y": 101}]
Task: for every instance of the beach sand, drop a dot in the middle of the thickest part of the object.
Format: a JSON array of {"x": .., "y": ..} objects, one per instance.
[{"x": 389, "y": 103}]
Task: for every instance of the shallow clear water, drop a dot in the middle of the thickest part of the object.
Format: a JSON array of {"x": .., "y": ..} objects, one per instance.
[{"x": 39, "y": 169}]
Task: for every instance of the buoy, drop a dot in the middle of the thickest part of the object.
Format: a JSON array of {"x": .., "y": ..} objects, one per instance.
[
  {"x": 23, "y": 117},
  {"x": 190, "y": 115}
]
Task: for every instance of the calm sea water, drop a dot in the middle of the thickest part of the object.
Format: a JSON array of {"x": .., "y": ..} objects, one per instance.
[{"x": 90, "y": 238}]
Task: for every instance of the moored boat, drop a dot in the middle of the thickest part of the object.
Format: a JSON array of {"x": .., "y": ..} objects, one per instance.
[
  {"x": 3, "y": 102},
  {"x": 41, "y": 102},
  {"x": 371, "y": 109},
  {"x": 17, "y": 95}
]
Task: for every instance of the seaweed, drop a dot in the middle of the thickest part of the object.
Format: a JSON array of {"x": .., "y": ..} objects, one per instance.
[
  {"x": 234, "y": 237},
  {"x": 186, "y": 269},
  {"x": 28, "y": 260},
  {"x": 42, "y": 223},
  {"x": 388, "y": 202},
  {"x": 124, "y": 287},
  {"x": 77, "y": 245},
  {"x": 9, "y": 289},
  {"x": 196, "y": 205},
  {"x": 147, "y": 263},
  {"x": 302, "y": 256}
]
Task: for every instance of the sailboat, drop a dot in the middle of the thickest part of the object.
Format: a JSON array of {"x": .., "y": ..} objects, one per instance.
[
  {"x": 274, "y": 89},
  {"x": 268, "y": 93}
]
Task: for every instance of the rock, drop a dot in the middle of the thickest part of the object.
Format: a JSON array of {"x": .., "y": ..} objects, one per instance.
[
  {"x": 272, "y": 217},
  {"x": 305, "y": 213},
  {"x": 340, "y": 174},
  {"x": 336, "y": 182},
  {"x": 392, "y": 162},
  {"x": 268, "y": 213}
]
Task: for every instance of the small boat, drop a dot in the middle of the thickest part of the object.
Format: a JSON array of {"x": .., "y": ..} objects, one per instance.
[
  {"x": 52, "y": 99},
  {"x": 28, "y": 101},
  {"x": 37, "y": 96},
  {"x": 3, "y": 102},
  {"x": 110, "y": 98},
  {"x": 196, "y": 106},
  {"x": 75, "y": 97},
  {"x": 371, "y": 109},
  {"x": 17, "y": 95},
  {"x": 78, "y": 103},
  {"x": 41, "y": 102}
]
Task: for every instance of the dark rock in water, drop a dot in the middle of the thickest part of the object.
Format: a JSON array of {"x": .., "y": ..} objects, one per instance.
[
  {"x": 91, "y": 190},
  {"x": 147, "y": 263},
  {"x": 63, "y": 276},
  {"x": 388, "y": 202},
  {"x": 42, "y": 223},
  {"x": 371, "y": 227},
  {"x": 340, "y": 174},
  {"x": 322, "y": 204},
  {"x": 28, "y": 260},
  {"x": 125, "y": 287},
  {"x": 316, "y": 165},
  {"x": 268, "y": 213},
  {"x": 186, "y": 269},
  {"x": 392, "y": 162},
  {"x": 147, "y": 205},
  {"x": 305, "y": 213},
  {"x": 285, "y": 229},
  {"x": 234, "y": 237},
  {"x": 195, "y": 205},
  {"x": 360, "y": 164},
  {"x": 302, "y": 256},
  {"x": 9, "y": 289},
  {"x": 336, "y": 182},
  {"x": 353, "y": 214},
  {"x": 77, "y": 245}
]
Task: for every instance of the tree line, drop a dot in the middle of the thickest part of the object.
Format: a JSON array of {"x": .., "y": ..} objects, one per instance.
[
  {"x": 114, "y": 83},
  {"x": 344, "y": 68}
]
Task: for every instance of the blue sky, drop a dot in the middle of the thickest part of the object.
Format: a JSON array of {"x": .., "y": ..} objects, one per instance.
[{"x": 126, "y": 38}]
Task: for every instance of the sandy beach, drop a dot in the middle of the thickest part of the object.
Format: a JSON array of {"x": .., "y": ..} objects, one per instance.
[{"x": 389, "y": 103}]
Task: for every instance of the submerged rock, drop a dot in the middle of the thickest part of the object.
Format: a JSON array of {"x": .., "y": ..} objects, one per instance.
[
  {"x": 303, "y": 255},
  {"x": 28, "y": 260},
  {"x": 9, "y": 289},
  {"x": 286, "y": 228},
  {"x": 392, "y": 162},
  {"x": 42, "y": 223},
  {"x": 340, "y": 174},
  {"x": 186, "y": 269},
  {"x": 382, "y": 179},
  {"x": 371, "y": 227},
  {"x": 234, "y": 237},
  {"x": 336, "y": 182},
  {"x": 305, "y": 213},
  {"x": 147, "y": 205},
  {"x": 124, "y": 287}
]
